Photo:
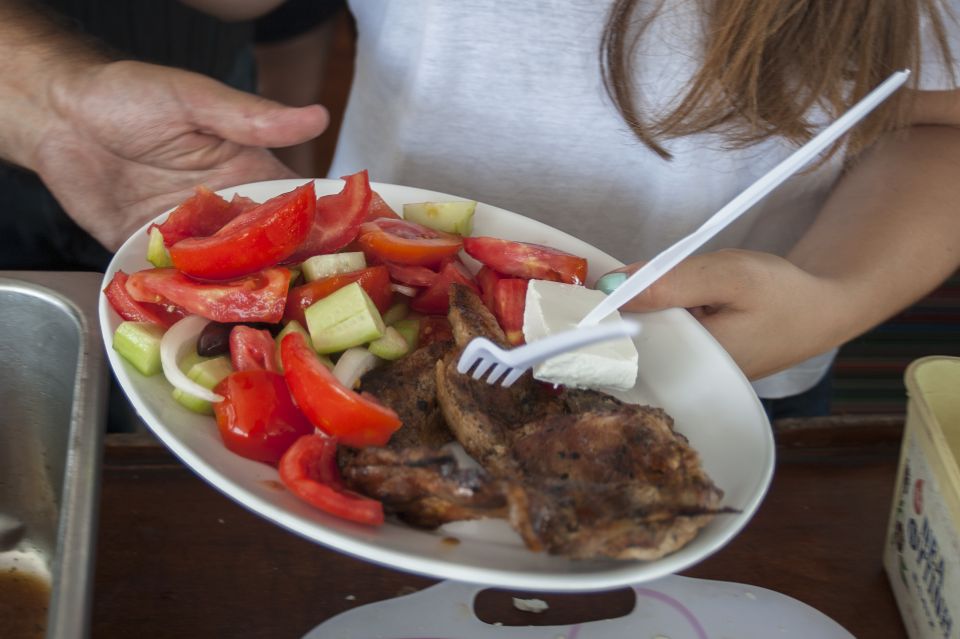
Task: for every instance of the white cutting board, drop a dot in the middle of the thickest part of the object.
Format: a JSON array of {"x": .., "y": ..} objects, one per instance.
[{"x": 669, "y": 608}]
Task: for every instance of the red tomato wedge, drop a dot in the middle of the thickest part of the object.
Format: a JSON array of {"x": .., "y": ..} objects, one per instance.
[
  {"x": 252, "y": 349},
  {"x": 403, "y": 242},
  {"x": 379, "y": 208},
  {"x": 356, "y": 420},
  {"x": 260, "y": 237},
  {"x": 436, "y": 299},
  {"x": 487, "y": 279},
  {"x": 200, "y": 215},
  {"x": 257, "y": 418},
  {"x": 337, "y": 218},
  {"x": 309, "y": 471},
  {"x": 256, "y": 298},
  {"x": 134, "y": 311},
  {"x": 411, "y": 274},
  {"x": 529, "y": 261},
  {"x": 509, "y": 301},
  {"x": 375, "y": 280}
]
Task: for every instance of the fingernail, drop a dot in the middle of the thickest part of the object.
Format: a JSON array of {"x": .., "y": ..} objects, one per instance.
[{"x": 610, "y": 281}]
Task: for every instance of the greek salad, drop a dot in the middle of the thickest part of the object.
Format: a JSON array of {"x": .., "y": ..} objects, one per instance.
[{"x": 266, "y": 315}]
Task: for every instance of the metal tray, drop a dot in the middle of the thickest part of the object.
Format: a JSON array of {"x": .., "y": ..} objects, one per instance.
[{"x": 53, "y": 392}]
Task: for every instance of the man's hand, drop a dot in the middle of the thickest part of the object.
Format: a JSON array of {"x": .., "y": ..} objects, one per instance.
[
  {"x": 119, "y": 142},
  {"x": 125, "y": 141}
]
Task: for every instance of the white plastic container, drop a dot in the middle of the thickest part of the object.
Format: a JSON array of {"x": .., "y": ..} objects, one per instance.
[{"x": 922, "y": 551}]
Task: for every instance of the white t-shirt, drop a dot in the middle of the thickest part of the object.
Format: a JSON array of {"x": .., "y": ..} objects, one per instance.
[{"x": 503, "y": 102}]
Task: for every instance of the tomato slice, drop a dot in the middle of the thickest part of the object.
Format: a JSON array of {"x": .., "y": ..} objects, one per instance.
[
  {"x": 309, "y": 471},
  {"x": 134, "y": 311},
  {"x": 411, "y": 274},
  {"x": 257, "y": 418},
  {"x": 254, "y": 240},
  {"x": 252, "y": 349},
  {"x": 487, "y": 279},
  {"x": 356, "y": 420},
  {"x": 379, "y": 208},
  {"x": 529, "y": 261},
  {"x": 436, "y": 299},
  {"x": 200, "y": 215},
  {"x": 509, "y": 301},
  {"x": 375, "y": 280},
  {"x": 260, "y": 297},
  {"x": 404, "y": 242},
  {"x": 337, "y": 218}
]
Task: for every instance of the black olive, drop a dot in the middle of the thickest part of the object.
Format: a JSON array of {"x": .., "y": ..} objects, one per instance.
[{"x": 214, "y": 339}]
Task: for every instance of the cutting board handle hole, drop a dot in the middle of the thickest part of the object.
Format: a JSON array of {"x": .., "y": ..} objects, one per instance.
[{"x": 494, "y": 606}]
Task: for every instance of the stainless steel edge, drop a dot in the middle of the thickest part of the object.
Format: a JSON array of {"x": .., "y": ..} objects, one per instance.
[{"x": 72, "y": 589}]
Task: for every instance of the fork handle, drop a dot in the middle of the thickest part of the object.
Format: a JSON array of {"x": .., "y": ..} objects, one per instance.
[
  {"x": 669, "y": 258},
  {"x": 564, "y": 341}
]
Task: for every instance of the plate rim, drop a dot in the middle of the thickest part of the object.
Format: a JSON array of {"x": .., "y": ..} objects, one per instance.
[{"x": 396, "y": 559}]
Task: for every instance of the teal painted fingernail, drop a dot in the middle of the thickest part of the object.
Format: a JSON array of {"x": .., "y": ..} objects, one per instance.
[{"x": 611, "y": 281}]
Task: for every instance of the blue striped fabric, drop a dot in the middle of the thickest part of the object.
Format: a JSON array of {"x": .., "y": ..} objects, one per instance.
[{"x": 868, "y": 373}]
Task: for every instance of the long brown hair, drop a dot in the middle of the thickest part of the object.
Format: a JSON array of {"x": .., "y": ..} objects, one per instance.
[{"x": 767, "y": 62}]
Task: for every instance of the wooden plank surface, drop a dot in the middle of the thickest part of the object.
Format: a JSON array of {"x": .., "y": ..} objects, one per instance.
[{"x": 176, "y": 558}]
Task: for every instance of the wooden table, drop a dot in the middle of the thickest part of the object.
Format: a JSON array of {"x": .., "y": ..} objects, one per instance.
[{"x": 178, "y": 559}]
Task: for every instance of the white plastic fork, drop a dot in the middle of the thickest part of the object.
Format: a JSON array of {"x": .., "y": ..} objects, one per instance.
[
  {"x": 673, "y": 255},
  {"x": 484, "y": 356}
]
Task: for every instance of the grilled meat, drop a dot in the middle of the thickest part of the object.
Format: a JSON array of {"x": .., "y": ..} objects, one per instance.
[
  {"x": 481, "y": 416},
  {"x": 611, "y": 482},
  {"x": 576, "y": 472},
  {"x": 423, "y": 486},
  {"x": 409, "y": 387},
  {"x": 586, "y": 475}
]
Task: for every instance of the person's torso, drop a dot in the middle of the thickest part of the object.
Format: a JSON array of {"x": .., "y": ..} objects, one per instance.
[{"x": 504, "y": 103}]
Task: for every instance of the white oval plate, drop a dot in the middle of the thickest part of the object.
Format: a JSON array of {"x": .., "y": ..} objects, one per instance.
[{"x": 682, "y": 369}]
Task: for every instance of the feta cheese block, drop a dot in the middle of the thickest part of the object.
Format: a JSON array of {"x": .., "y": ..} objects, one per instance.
[{"x": 552, "y": 307}]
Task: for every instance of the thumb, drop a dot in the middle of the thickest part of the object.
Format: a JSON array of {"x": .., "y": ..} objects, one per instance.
[
  {"x": 707, "y": 280},
  {"x": 248, "y": 119}
]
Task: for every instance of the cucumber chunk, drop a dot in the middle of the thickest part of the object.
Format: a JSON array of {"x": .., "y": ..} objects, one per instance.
[
  {"x": 409, "y": 329},
  {"x": 139, "y": 344},
  {"x": 345, "y": 318},
  {"x": 208, "y": 372},
  {"x": 393, "y": 345},
  {"x": 396, "y": 313},
  {"x": 157, "y": 253},
  {"x": 449, "y": 217},
  {"x": 293, "y": 326},
  {"x": 320, "y": 266}
]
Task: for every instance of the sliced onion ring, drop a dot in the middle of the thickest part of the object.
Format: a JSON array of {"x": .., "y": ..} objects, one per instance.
[
  {"x": 176, "y": 342},
  {"x": 353, "y": 364},
  {"x": 409, "y": 291}
]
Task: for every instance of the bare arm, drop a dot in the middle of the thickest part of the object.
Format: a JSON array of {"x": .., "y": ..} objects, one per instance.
[
  {"x": 36, "y": 57},
  {"x": 118, "y": 142},
  {"x": 888, "y": 234}
]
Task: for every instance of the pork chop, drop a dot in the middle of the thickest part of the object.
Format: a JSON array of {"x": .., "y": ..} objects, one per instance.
[
  {"x": 585, "y": 475},
  {"x": 409, "y": 387}
]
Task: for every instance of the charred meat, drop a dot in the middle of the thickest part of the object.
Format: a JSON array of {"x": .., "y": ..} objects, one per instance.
[
  {"x": 576, "y": 472},
  {"x": 425, "y": 487},
  {"x": 587, "y": 475},
  {"x": 409, "y": 387}
]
